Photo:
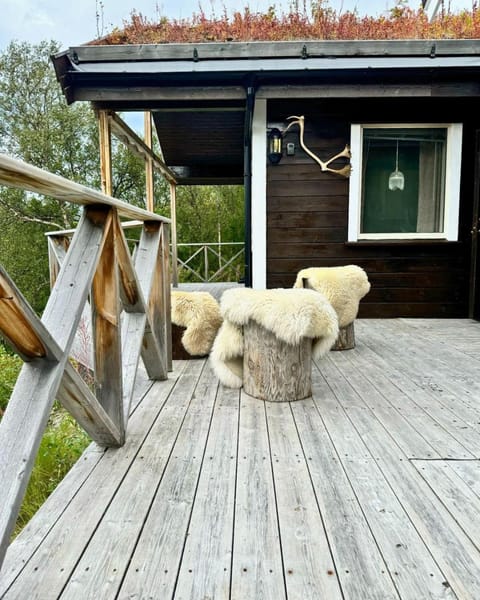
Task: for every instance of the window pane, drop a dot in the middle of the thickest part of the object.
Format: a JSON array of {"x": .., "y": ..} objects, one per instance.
[{"x": 403, "y": 180}]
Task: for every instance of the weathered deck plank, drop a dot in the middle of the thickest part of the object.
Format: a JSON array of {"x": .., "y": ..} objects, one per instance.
[
  {"x": 158, "y": 554},
  {"x": 309, "y": 568},
  {"x": 257, "y": 570},
  {"x": 206, "y": 564},
  {"x": 368, "y": 490}
]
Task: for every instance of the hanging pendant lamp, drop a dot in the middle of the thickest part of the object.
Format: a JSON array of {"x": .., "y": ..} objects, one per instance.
[{"x": 396, "y": 180}]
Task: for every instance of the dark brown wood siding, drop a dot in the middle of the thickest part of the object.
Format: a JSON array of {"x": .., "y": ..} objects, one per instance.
[{"x": 307, "y": 211}]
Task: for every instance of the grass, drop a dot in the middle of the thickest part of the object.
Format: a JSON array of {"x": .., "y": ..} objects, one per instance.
[
  {"x": 61, "y": 445},
  {"x": 9, "y": 369}
]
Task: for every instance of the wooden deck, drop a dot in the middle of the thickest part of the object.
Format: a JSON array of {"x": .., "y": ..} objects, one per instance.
[{"x": 369, "y": 490}]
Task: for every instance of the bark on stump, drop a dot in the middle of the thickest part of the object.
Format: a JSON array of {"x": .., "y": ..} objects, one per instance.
[
  {"x": 345, "y": 339},
  {"x": 274, "y": 370}
]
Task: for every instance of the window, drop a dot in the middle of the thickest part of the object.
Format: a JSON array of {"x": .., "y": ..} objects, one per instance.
[{"x": 405, "y": 181}]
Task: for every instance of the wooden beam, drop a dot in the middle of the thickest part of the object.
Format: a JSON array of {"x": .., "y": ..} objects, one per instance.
[
  {"x": 76, "y": 397},
  {"x": 166, "y": 291},
  {"x": 136, "y": 145},
  {"x": 105, "y": 142},
  {"x": 57, "y": 249},
  {"x": 15, "y": 173},
  {"x": 149, "y": 161},
  {"x": 105, "y": 301},
  {"x": 130, "y": 290},
  {"x": 359, "y": 90},
  {"x": 147, "y": 263},
  {"x": 173, "y": 216},
  {"x": 16, "y": 323},
  {"x": 154, "y": 96},
  {"x": 136, "y": 324}
]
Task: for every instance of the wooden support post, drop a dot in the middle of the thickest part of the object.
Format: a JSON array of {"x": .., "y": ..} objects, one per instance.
[
  {"x": 16, "y": 322},
  {"x": 136, "y": 324},
  {"x": 147, "y": 261},
  {"x": 346, "y": 338},
  {"x": 105, "y": 300},
  {"x": 105, "y": 141},
  {"x": 166, "y": 291},
  {"x": 274, "y": 370},
  {"x": 149, "y": 162},
  {"x": 173, "y": 218},
  {"x": 57, "y": 249}
]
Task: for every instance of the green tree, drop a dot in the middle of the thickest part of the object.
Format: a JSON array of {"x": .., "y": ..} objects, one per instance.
[
  {"x": 209, "y": 214},
  {"x": 37, "y": 126}
]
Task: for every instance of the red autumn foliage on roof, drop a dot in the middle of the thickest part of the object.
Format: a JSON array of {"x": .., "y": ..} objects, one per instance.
[{"x": 322, "y": 23}]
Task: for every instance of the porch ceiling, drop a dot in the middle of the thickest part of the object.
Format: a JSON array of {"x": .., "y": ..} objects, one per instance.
[{"x": 202, "y": 145}]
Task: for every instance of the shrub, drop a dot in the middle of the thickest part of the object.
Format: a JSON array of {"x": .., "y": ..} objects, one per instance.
[{"x": 62, "y": 444}]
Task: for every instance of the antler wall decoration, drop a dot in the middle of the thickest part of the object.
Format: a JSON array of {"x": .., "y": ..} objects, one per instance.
[{"x": 344, "y": 171}]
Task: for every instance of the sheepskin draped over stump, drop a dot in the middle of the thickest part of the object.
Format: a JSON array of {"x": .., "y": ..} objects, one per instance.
[
  {"x": 199, "y": 313},
  {"x": 343, "y": 287},
  {"x": 290, "y": 314}
]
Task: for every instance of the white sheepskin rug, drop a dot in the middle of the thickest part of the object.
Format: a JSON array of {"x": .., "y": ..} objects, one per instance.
[
  {"x": 343, "y": 287},
  {"x": 290, "y": 314},
  {"x": 199, "y": 313}
]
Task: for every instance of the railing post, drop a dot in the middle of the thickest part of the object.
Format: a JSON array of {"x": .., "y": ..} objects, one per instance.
[
  {"x": 205, "y": 258},
  {"x": 57, "y": 249},
  {"x": 105, "y": 140},
  {"x": 166, "y": 301},
  {"x": 149, "y": 161},
  {"x": 173, "y": 217},
  {"x": 106, "y": 330}
]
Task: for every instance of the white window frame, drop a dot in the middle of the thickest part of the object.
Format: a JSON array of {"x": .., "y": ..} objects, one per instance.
[{"x": 452, "y": 183}]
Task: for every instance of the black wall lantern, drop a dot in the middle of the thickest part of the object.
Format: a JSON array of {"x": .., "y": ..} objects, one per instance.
[{"x": 274, "y": 150}]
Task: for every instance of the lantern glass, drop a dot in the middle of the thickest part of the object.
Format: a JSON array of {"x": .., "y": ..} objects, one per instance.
[{"x": 275, "y": 146}]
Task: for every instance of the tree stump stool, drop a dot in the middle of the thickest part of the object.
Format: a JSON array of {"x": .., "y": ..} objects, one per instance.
[
  {"x": 274, "y": 370},
  {"x": 345, "y": 339},
  {"x": 343, "y": 287},
  {"x": 178, "y": 349}
]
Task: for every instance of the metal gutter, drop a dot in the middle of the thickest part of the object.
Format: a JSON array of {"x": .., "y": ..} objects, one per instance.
[{"x": 273, "y": 65}]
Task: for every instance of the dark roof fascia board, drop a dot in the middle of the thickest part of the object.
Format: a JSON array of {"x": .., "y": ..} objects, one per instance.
[
  {"x": 377, "y": 90},
  {"x": 197, "y": 52}
]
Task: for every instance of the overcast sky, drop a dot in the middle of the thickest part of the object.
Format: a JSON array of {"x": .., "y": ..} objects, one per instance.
[{"x": 74, "y": 22}]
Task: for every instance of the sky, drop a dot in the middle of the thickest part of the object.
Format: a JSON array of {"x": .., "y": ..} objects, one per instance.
[{"x": 74, "y": 22}]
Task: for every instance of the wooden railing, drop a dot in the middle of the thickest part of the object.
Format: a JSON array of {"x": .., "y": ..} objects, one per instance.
[
  {"x": 199, "y": 263},
  {"x": 130, "y": 303}
]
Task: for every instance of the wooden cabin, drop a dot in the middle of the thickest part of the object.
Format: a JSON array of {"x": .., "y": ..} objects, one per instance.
[{"x": 406, "y": 109}]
